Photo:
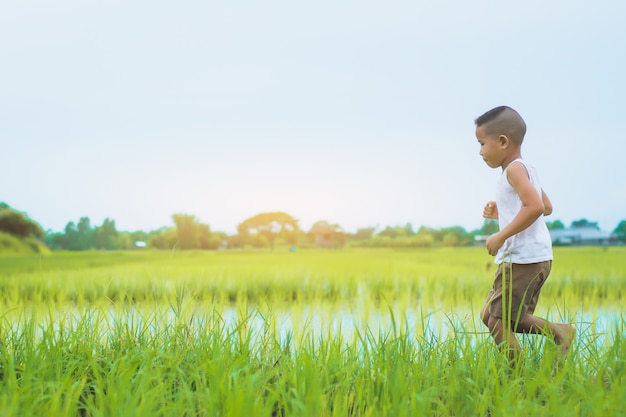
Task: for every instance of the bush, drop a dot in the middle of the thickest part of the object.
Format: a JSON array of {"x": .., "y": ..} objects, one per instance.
[
  {"x": 18, "y": 224},
  {"x": 13, "y": 246}
]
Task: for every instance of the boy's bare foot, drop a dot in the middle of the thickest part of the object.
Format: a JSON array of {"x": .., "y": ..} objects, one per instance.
[{"x": 564, "y": 335}]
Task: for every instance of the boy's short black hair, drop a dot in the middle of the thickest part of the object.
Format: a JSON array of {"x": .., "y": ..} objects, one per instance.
[{"x": 503, "y": 120}]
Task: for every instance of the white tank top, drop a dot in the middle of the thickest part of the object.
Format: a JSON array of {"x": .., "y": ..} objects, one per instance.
[{"x": 531, "y": 245}]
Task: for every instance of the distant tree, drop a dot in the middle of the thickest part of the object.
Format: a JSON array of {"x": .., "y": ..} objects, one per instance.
[
  {"x": 364, "y": 233},
  {"x": 490, "y": 226},
  {"x": 397, "y": 231},
  {"x": 407, "y": 230},
  {"x": 164, "y": 238},
  {"x": 74, "y": 237},
  {"x": 105, "y": 236},
  {"x": 78, "y": 236},
  {"x": 70, "y": 236},
  {"x": 450, "y": 239},
  {"x": 456, "y": 236},
  {"x": 124, "y": 241},
  {"x": 428, "y": 231},
  {"x": 138, "y": 236},
  {"x": 204, "y": 236},
  {"x": 243, "y": 239},
  {"x": 216, "y": 240},
  {"x": 584, "y": 223},
  {"x": 191, "y": 233},
  {"x": 271, "y": 225},
  {"x": 389, "y": 231},
  {"x": 194, "y": 235},
  {"x": 55, "y": 241},
  {"x": 423, "y": 240},
  {"x": 85, "y": 234},
  {"x": 620, "y": 230},
  {"x": 18, "y": 224},
  {"x": 555, "y": 225},
  {"x": 237, "y": 240}
]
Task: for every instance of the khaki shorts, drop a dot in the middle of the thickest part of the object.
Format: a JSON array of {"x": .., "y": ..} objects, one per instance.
[{"x": 524, "y": 294}]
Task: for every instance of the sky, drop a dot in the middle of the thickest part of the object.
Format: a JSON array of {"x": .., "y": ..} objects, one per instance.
[{"x": 359, "y": 113}]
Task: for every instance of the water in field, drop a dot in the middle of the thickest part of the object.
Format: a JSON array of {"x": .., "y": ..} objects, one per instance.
[
  {"x": 316, "y": 324},
  {"x": 306, "y": 324}
]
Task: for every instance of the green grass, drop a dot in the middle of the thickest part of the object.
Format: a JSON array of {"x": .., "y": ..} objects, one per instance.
[{"x": 312, "y": 333}]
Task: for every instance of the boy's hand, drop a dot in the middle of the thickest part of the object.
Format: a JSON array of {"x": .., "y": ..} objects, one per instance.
[
  {"x": 494, "y": 243},
  {"x": 491, "y": 210}
]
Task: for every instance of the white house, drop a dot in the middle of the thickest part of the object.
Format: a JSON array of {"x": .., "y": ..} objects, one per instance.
[{"x": 582, "y": 235}]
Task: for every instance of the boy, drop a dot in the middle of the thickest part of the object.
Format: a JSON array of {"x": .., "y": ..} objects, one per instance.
[{"x": 522, "y": 246}]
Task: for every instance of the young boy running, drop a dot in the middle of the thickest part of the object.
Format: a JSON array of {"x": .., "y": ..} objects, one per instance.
[{"x": 522, "y": 246}]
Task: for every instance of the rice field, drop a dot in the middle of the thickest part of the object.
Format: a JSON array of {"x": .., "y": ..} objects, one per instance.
[{"x": 310, "y": 333}]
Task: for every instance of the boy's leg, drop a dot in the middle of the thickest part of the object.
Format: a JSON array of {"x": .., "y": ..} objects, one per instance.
[
  {"x": 490, "y": 315},
  {"x": 484, "y": 313},
  {"x": 562, "y": 333},
  {"x": 527, "y": 282},
  {"x": 504, "y": 337}
]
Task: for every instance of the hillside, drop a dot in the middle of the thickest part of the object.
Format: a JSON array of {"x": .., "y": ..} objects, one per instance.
[{"x": 14, "y": 246}]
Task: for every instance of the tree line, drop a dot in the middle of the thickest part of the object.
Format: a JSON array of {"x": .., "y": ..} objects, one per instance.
[{"x": 264, "y": 230}]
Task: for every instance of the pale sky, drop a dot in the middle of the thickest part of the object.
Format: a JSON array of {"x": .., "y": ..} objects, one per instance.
[{"x": 355, "y": 112}]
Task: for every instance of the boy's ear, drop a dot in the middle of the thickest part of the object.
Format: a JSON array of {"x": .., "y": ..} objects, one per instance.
[{"x": 504, "y": 141}]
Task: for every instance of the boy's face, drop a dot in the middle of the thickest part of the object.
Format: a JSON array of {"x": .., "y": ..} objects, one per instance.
[{"x": 491, "y": 149}]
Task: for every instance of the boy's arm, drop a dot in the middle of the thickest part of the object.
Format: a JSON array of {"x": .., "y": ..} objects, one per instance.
[
  {"x": 547, "y": 204},
  {"x": 532, "y": 207}
]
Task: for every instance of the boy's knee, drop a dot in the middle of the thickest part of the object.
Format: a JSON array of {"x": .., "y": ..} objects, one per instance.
[
  {"x": 493, "y": 323},
  {"x": 485, "y": 319},
  {"x": 484, "y": 316}
]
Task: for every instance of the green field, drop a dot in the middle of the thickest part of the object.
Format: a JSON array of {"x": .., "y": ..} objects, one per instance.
[{"x": 310, "y": 333}]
